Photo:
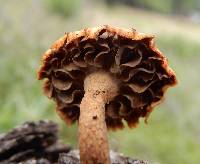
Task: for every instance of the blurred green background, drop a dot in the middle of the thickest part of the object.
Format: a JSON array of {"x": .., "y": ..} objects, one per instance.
[{"x": 29, "y": 27}]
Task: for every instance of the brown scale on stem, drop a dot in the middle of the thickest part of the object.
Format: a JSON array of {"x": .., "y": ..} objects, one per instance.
[{"x": 101, "y": 76}]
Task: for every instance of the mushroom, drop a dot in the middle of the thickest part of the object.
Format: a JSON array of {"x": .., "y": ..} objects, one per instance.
[{"x": 100, "y": 77}]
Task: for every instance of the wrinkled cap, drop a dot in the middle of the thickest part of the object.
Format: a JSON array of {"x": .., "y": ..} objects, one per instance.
[{"x": 141, "y": 71}]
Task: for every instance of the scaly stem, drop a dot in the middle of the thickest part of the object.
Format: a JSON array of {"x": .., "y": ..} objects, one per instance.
[
  {"x": 93, "y": 132},
  {"x": 93, "y": 142}
]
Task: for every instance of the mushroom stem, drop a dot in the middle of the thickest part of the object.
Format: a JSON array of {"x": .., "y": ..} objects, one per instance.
[{"x": 93, "y": 142}]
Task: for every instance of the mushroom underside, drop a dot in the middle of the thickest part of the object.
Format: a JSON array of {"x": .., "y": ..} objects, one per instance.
[{"x": 138, "y": 68}]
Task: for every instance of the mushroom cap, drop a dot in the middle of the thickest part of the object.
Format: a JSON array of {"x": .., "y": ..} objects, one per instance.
[{"x": 141, "y": 70}]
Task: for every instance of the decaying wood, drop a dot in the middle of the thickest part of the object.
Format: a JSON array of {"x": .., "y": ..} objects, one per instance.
[
  {"x": 31, "y": 141},
  {"x": 73, "y": 158},
  {"x": 38, "y": 143}
]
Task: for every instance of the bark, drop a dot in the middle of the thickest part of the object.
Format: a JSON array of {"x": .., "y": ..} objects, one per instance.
[{"x": 31, "y": 141}]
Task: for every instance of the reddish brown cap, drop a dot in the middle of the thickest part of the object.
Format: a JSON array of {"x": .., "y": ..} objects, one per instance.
[{"x": 140, "y": 69}]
